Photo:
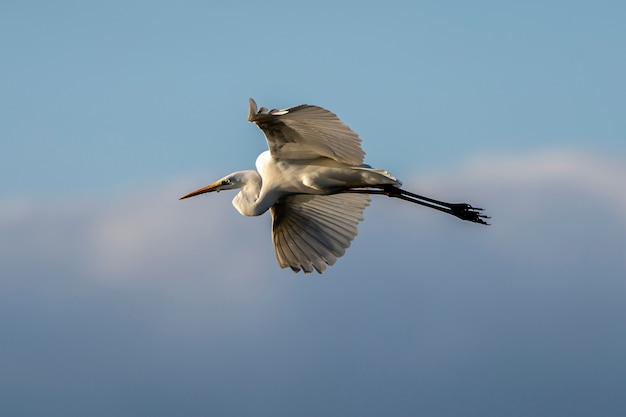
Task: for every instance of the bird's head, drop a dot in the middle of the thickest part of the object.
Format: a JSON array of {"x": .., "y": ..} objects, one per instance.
[{"x": 229, "y": 182}]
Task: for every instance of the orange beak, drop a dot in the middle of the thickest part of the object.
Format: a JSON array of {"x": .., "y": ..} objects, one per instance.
[{"x": 206, "y": 189}]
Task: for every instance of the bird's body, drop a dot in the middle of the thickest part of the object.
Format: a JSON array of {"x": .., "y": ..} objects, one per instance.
[
  {"x": 313, "y": 181},
  {"x": 320, "y": 176}
]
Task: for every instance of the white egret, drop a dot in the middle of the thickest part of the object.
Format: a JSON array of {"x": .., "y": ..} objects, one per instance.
[{"x": 315, "y": 185}]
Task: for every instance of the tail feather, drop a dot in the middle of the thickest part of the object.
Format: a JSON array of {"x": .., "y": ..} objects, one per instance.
[{"x": 379, "y": 176}]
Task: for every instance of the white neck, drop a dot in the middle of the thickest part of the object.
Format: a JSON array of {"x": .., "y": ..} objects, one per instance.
[{"x": 247, "y": 200}]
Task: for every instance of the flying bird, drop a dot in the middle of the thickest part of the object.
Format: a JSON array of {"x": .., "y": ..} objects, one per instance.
[{"x": 315, "y": 185}]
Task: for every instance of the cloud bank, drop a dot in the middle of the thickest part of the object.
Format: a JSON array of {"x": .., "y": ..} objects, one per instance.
[{"x": 143, "y": 304}]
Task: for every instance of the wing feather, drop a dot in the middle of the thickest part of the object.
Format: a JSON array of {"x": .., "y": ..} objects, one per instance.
[
  {"x": 327, "y": 229},
  {"x": 293, "y": 243},
  {"x": 322, "y": 241},
  {"x": 283, "y": 251},
  {"x": 312, "y": 231},
  {"x": 309, "y": 253},
  {"x": 307, "y": 132}
]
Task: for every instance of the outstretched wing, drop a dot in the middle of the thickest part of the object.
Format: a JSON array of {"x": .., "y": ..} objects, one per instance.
[
  {"x": 312, "y": 231},
  {"x": 307, "y": 132}
]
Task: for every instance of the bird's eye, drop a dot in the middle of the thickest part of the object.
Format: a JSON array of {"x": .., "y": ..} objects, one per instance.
[{"x": 226, "y": 182}]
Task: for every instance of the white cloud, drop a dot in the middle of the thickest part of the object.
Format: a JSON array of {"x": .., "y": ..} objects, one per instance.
[
  {"x": 592, "y": 175},
  {"x": 146, "y": 240},
  {"x": 153, "y": 238},
  {"x": 159, "y": 296}
]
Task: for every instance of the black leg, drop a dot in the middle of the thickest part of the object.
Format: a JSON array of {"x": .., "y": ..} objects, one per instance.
[{"x": 463, "y": 211}]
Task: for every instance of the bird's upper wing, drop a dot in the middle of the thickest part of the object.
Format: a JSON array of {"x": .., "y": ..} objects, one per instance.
[
  {"x": 310, "y": 231},
  {"x": 307, "y": 132}
]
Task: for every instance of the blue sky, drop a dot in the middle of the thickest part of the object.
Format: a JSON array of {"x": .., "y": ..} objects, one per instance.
[
  {"x": 117, "y": 299},
  {"x": 130, "y": 92}
]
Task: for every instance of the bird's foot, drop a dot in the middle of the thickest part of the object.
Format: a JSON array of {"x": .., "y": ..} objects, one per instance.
[{"x": 466, "y": 212}]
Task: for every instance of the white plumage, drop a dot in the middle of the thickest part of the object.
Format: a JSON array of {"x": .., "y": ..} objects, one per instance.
[{"x": 315, "y": 185}]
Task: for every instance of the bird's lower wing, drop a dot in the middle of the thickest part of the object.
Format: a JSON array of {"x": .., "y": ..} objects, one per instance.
[{"x": 312, "y": 231}]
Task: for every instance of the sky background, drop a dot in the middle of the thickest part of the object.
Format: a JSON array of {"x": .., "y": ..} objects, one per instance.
[{"x": 118, "y": 299}]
